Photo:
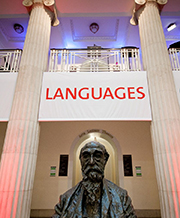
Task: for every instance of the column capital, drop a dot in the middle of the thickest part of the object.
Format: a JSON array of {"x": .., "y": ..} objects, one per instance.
[
  {"x": 48, "y": 4},
  {"x": 139, "y": 4},
  {"x": 142, "y": 2}
]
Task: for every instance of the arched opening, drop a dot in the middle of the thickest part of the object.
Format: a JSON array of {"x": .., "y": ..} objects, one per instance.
[{"x": 114, "y": 166}]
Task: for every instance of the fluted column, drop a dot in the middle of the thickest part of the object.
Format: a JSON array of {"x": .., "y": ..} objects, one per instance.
[
  {"x": 165, "y": 127},
  {"x": 18, "y": 160}
]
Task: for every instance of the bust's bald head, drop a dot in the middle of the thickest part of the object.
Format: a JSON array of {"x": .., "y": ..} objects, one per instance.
[
  {"x": 94, "y": 144},
  {"x": 93, "y": 157}
]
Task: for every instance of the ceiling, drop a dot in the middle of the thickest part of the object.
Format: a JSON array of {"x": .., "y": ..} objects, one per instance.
[{"x": 75, "y": 17}]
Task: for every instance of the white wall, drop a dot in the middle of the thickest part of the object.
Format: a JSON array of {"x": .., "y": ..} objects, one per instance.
[{"x": 3, "y": 126}]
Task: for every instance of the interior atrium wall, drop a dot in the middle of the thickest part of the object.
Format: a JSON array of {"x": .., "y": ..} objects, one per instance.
[{"x": 56, "y": 138}]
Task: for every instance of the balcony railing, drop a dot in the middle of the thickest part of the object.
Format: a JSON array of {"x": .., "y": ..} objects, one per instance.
[
  {"x": 174, "y": 54},
  {"x": 87, "y": 60},
  {"x": 10, "y": 60},
  {"x": 94, "y": 60}
]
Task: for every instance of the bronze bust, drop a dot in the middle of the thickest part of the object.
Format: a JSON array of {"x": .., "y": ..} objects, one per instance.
[{"x": 94, "y": 196}]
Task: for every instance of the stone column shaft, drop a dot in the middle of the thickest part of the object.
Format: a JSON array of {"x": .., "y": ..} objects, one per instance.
[
  {"x": 165, "y": 127},
  {"x": 18, "y": 160}
]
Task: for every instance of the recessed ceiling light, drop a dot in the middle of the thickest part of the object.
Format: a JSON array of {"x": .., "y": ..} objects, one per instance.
[
  {"x": 171, "y": 27},
  {"x": 18, "y": 28},
  {"x": 94, "y": 27}
]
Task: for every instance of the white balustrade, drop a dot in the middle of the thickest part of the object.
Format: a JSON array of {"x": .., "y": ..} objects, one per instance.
[
  {"x": 92, "y": 60},
  {"x": 10, "y": 60},
  {"x": 174, "y": 54},
  {"x": 101, "y": 60}
]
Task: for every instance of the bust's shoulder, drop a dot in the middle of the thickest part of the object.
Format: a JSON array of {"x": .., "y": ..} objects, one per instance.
[
  {"x": 71, "y": 191},
  {"x": 121, "y": 202},
  {"x": 114, "y": 189}
]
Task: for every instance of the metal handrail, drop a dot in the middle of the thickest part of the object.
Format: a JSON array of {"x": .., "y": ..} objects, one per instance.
[
  {"x": 94, "y": 60},
  {"x": 10, "y": 60},
  {"x": 87, "y": 60}
]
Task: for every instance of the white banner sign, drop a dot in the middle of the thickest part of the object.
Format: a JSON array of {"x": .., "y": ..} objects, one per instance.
[
  {"x": 95, "y": 96},
  {"x": 87, "y": 96}
]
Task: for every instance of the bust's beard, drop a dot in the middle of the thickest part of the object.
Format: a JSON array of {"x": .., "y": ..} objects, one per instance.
[{"x": 92, "y": 186}]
